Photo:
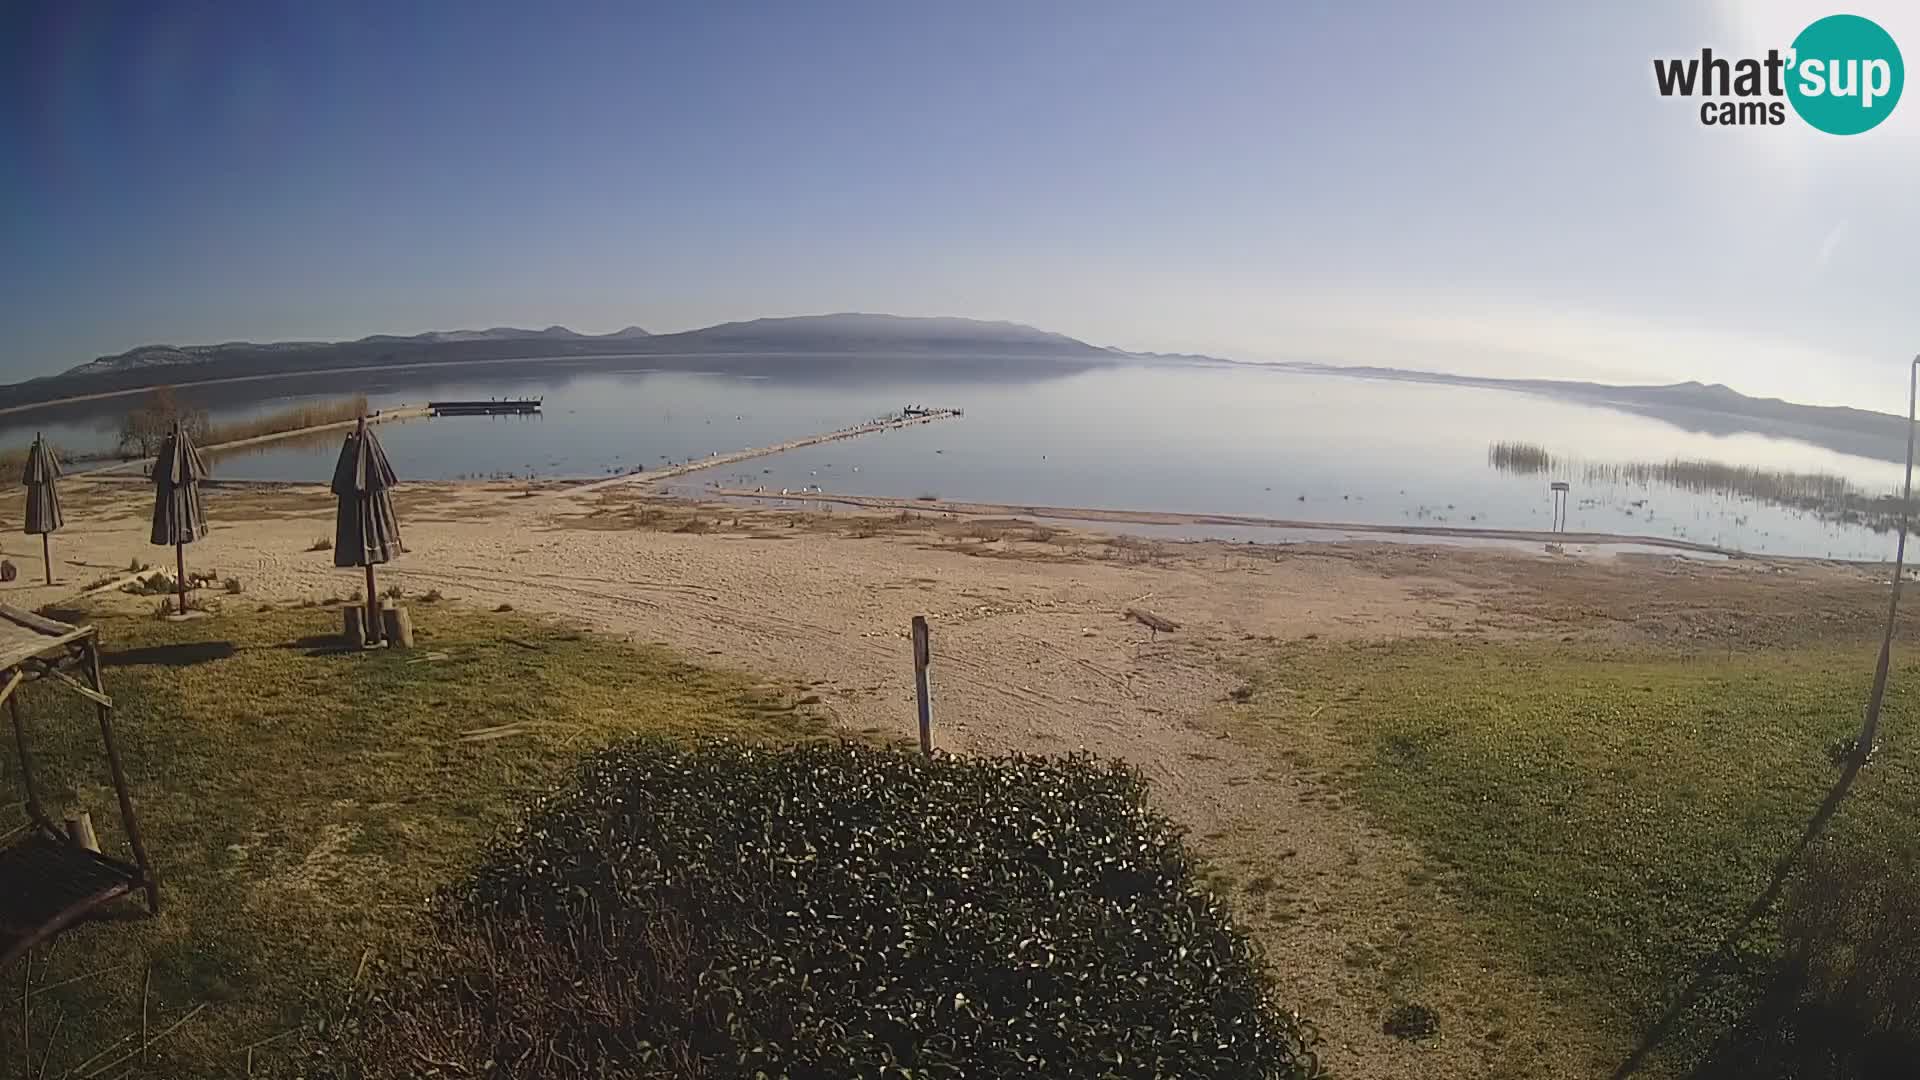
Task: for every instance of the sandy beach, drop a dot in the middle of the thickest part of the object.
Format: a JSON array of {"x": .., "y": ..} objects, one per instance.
[{"x": 1032, "y": 648}]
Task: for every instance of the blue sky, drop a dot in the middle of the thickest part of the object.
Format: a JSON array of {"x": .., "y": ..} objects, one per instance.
[{"x": 1491, "y": 188}]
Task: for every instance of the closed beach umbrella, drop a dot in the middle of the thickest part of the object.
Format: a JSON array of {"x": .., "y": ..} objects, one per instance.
[
  {"x": 179, "y": 515},
  {"x": 365, "y": 531},
  {"x": 42, "y": 477}
]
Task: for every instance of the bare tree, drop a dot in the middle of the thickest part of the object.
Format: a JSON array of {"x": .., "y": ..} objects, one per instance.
[{"x": 144, "y": 430}]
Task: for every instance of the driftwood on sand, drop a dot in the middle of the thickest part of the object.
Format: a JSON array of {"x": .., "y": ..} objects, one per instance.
[{"x": 1156, "y": 623}]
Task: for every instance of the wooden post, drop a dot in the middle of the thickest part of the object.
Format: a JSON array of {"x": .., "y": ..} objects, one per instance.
[
  {"x": 397, "y": 624},
  {"x": 80, "y": 831},
  {"x": 922, "y": 658},
  {"x": 373, "y": 610},
  {"x": 127, "y": 820},
  {"x": 34, "y": 810},
  {"x": 180, "y": 567},
  {"x": 46, "y": 555},
  {"x": 354, "y": 628}
]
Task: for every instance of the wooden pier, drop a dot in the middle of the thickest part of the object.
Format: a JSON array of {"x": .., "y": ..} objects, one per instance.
[
  {"x": 496, "y": 407},
  {"x": 894, "y": 422}
]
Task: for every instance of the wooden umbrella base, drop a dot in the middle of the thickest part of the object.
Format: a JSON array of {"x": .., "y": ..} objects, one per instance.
[{"x": 396, "y": 626}]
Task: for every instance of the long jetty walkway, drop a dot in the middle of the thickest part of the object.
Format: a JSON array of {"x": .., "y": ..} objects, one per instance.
[{"x": 909, "y": 419}]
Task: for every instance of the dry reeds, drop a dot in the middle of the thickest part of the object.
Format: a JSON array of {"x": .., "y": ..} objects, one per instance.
[
  {"x": 295, "y": 418},
  {"x": 14, "y": 458},
  {"x": 1520, "y": 457},
  {"x": 1747, "y": 481},
  {"x": 289, "y": 419},
  {"x": 1825, "y": 495}
]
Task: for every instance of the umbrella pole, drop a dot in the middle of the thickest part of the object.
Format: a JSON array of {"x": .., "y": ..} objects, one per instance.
[
  {"x": 46, "y": 555},
  {"x": 180, "y": 568},
  {"x": 373, "y": 613}
]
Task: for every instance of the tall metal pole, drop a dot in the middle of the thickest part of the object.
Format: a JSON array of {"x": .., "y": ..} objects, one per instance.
[{"x": 1871, "y": 726}]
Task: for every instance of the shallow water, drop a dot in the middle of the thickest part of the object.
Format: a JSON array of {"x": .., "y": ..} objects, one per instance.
[{"x": 1271, "y": 443}]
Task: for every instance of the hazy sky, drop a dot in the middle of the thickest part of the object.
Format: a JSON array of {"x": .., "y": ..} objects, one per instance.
[{"x": 1491, "y": 188}]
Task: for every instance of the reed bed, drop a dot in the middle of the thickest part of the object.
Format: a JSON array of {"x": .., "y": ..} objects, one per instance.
[
  {"x": 1825, "y": 495},
  {"x": 14, "y": 458},
  {"x": 1521, "y": 457},
  {"x": 289, "y": 419},
  {"x": 1766, "y": 485}
]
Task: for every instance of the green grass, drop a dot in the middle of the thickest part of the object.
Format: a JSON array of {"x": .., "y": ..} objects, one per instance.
[
  {"x": 300, "y": 804},
  {"x": 1605, "y": 817}
]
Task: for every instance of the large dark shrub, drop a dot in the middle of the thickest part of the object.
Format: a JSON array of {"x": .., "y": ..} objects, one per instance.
[{"x": 836, "y": 912}]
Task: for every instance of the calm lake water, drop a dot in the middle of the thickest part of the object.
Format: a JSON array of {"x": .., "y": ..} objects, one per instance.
[{"x": 1230, "y": 440}]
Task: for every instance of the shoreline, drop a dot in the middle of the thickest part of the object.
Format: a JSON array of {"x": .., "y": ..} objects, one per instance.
[
  {"x": 653, "y": 482},
  {"x": 1119, "y": 516},
  {"x": 1093, "y": 519}
]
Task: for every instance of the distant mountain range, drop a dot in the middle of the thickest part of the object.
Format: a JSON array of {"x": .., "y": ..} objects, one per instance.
[
  {"x": 321, "y": 353},
  {"x": 852, "y": 342},
  {"x": 802, "y": 334},
  {"x": 510, "y": 333},
  {"x": 1707, "y": 408},
  {"x": 839, "y": 340}
]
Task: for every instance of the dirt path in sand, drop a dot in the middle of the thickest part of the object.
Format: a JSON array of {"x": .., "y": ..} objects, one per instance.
[{"x": 1032, "y": 651}]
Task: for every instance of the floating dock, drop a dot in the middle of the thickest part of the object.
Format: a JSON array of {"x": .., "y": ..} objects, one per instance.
[{"x": 496, "y": 407}]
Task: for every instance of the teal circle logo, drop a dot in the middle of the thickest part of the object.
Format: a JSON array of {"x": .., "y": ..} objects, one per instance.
[{"x": 1846, "y": 74}]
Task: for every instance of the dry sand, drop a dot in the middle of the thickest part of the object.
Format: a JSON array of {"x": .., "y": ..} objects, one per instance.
[{"x": 1032, "y": 651}]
